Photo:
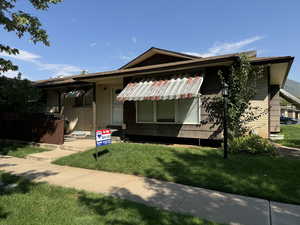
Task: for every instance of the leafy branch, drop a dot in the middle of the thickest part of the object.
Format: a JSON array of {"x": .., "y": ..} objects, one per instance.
[{"x": 21, "y": 23}]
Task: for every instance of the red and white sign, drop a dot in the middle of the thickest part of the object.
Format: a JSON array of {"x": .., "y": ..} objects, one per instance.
[{"x": 103, "y": 137}]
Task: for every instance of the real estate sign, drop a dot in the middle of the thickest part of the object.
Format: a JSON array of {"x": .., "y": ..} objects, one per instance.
[{"x": 103, "y": 137}]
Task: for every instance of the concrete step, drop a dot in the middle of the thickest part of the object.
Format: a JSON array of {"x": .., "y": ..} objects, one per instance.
[
  {"x": 116, "y": 139},
  {"x": 276, "y": 137}
]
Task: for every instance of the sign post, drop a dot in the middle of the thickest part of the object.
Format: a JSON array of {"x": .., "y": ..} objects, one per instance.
[{"x": 102, "y": 138}]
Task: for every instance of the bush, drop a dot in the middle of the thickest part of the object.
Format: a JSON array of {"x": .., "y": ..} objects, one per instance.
[{"x": 252, "y": 144}]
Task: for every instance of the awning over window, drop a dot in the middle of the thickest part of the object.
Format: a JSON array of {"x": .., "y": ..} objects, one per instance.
[{"x": 176, "y": 88}]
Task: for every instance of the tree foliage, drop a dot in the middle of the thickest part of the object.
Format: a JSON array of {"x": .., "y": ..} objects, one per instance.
[
  {"x": 242, "y": 80},
  {"x": 21, "y": 23},
  {"x": 19, "y": 95}
]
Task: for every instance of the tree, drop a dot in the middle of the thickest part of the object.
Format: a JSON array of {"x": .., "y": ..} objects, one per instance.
[
  {"x": 21, "y": 23},
  {"x": 19, "y": 95},
  {"x": 241, "y": 79},
  {"x": 83, "y": 72}
]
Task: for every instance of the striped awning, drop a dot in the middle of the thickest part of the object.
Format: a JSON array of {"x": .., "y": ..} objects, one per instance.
[{"x": 176, "y": 88}]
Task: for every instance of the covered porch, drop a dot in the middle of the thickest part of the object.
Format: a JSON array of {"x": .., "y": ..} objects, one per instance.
[{"x": 86, "y": 106}]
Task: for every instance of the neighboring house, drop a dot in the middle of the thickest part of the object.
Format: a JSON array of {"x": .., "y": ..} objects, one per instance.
[
  {"x": 159, "y": 94},
  {"x": 290, "y": 106}
]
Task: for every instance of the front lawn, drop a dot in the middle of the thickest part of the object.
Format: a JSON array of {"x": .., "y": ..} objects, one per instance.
[
  {"x": 41, "y": 204},
  {"x": 291, "y": 135},
  {"x": 269, "y": 177},
  {"x": 18, "y": 150}
]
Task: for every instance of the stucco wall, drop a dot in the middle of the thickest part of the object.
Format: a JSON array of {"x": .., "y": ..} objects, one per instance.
[
  {"x": 103, "y": 106},
  {"x": 80, "y": 118},
  {"x": 104, "y": 102}
]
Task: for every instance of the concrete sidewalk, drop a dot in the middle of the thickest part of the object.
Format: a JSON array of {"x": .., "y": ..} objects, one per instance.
[{"x": 211, "y": 205}]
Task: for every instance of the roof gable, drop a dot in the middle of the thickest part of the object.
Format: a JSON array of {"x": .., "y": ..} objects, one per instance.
[{"x": 154, "y": 56}]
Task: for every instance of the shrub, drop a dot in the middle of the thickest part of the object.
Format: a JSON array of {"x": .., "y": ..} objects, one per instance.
[{"x": 252, "y": 144}]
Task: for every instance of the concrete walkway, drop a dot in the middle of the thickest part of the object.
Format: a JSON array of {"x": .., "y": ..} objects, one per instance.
[
  {"x": 211, "y": 205},
  {"x": 70, "y": 146},
  {"x": 288, "y": 151}
]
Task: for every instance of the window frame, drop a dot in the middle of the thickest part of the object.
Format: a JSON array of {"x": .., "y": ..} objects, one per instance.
[{"x": 154, "y": 103}]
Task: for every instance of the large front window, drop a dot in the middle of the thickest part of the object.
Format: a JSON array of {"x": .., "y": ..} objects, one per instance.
[
  {"x": 182, "y": 111},
  {"x": 145, "y": 111},
  {"x": 165, "y": 111}
]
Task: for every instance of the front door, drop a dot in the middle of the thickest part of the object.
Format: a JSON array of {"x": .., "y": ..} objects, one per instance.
[{"x": 117, "y": 108}]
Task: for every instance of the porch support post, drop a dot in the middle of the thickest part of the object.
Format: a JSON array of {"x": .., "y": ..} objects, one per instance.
[
  {"x": 94, "y": 109},
  {"x": 59, "y": 101}
]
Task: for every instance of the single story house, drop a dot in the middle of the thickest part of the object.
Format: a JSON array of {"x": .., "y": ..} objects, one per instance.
[
  {"x": 291, "y": 106},
  {"x": 159, "y": 94}
]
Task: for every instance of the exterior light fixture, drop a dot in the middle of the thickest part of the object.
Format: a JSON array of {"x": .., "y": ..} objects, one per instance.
[{"x": 225, "y": 90}]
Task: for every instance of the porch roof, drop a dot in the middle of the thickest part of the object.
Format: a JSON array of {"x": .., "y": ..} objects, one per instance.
[
  {"x": 289, "y": 97},
  {"x": 151, "y": 89}
]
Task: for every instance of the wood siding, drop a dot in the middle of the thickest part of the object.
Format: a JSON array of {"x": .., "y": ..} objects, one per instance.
[{"x": 210, "y": 86}]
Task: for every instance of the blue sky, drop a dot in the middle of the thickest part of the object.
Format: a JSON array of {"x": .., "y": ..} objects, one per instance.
[{"x": 98, "y": 35}]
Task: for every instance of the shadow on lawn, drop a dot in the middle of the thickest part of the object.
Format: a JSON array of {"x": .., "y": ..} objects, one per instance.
[
  {"x": 15, "y": 184},
  {"x": 3, "y": 214},
  {"x": 257, "y": 176},
  {"x": 5, "y": 148},
  {"x": 11, "y": 184}
]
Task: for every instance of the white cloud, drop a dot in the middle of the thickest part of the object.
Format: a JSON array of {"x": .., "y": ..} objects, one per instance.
[
  {"x": 226, "y": 47},
  {"x": 54, "y": 69},
  {"x": 133, "y": 39},
  {"x": 93, "y": 44},
  {"x": 59, "y": 69},
  {"x": 124, "y": 57},
  {"x": 23, "y": 55},
  {"x": 11, "y": 73}
]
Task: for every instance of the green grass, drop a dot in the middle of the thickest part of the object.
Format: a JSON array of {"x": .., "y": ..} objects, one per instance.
[
  {"x": 18, "y": 150},
  {"x": 291, "y": 135},
  {"x": 42, "y": 204},
  {"x": 270, "y": 177}
]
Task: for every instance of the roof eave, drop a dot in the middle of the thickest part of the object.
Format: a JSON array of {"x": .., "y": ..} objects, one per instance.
[
  {"x": 160, "y": 67},
  {"x": 284, "y": 59}
]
